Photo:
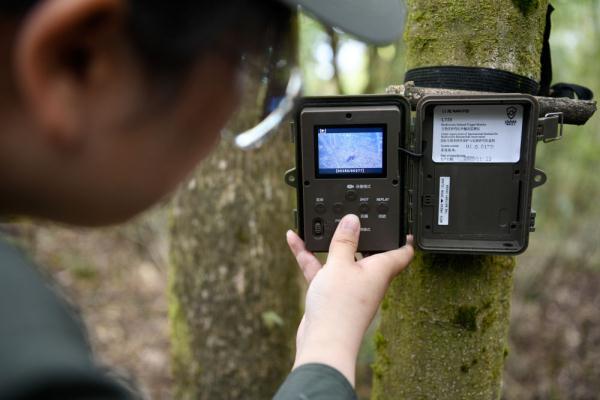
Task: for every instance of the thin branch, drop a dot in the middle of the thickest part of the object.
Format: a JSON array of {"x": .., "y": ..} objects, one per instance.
[
  {"x": 576, "y": 112},
  {"x": 335, "y": 48}
]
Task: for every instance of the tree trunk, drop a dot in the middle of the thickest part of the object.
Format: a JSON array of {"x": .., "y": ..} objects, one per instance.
[
  {"x": 234, "y": 294},
  {"x": 444, "y": 325}
]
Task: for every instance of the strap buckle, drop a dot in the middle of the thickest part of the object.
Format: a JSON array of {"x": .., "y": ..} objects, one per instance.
[{"x": 550, "y": 127}]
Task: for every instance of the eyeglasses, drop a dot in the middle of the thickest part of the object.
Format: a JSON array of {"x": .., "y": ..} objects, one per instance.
[
  {"x": 272, "y": 84},
  {"x": 261, "y": 132}
]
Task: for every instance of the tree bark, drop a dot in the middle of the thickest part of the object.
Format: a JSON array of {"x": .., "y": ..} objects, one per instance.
[
  {"x": 444, "y": 326},
  {"x": 234, "y": 294}
]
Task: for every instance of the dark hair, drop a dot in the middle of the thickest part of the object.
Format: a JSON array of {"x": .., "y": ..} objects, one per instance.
[{"x": 170, "y": 35}]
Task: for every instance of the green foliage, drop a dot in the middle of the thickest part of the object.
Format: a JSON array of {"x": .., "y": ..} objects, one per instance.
[
  {"x": 560, "y": 269},
  {"x": 567, "y": 203},
  {"x": 79, "y": 266},
  {"x": 375, "y": 68},
  {"x": 271, "y": 319}
]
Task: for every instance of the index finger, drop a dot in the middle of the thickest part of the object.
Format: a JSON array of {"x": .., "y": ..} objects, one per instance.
[
  {"x": 308, "y": 263},
  {"x": 392, "y": 262}
]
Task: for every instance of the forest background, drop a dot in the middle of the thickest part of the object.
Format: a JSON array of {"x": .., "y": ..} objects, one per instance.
[{"x": 117, "y": 276}]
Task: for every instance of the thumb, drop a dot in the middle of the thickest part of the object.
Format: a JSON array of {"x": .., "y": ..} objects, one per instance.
[{"x": 345, "y": 239}]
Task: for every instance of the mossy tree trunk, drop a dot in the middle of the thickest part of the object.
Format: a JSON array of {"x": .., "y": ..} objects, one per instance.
[
  {"x": 444, "y": 326},
  {"x": 234, "y": 294}
]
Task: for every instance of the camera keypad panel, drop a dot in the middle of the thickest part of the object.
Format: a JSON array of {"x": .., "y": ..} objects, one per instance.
[{"x": 372, "y": 204}]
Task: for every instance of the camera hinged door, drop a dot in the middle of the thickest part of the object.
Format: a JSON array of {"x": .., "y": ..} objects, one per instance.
[{"x": 473, "y": 182}]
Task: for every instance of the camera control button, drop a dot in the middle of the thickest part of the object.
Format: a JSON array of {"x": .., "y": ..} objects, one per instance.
[
  {"x": 338, "y": 208},
  {"x": 383, "y": 208},
  {"x": 318, "y": 227},
  {"x": 363, "y": 208},
  {"x": 320, "y": 208},
  {"x": 351, "y": 195}
]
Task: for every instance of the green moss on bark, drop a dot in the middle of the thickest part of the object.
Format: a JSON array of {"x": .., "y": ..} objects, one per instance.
[
  {"x": 445, "y": 329},
  {"x": 502, "y": 34},
  {"x": 466, "y": 318},
  {"x": 185, "y": 365},
  {"x": 383, "y": 362},
  {"x": 526, "y": 6}
]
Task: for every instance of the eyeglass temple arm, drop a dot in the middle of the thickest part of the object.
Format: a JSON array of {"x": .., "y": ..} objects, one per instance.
[{"x": 256, "y": 136}]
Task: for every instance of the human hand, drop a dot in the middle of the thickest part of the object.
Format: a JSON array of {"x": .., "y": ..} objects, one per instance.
[{"x": 343, "y": 296}]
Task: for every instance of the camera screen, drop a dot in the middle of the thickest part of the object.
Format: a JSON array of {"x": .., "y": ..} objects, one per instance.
[{"x": 351, "y": 151}]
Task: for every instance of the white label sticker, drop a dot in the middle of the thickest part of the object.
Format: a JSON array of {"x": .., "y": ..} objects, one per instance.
[
  {"x": 444, "y": 203},
  {"x": 477, "y": 133}
]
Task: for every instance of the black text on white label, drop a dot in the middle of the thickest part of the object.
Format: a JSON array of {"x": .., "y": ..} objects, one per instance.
[{"x": 477, "y": 133}]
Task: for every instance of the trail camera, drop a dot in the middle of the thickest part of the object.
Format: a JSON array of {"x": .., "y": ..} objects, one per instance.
[
  {"x": 347, "y": 161},
  {"x": 460, "y": 181}
]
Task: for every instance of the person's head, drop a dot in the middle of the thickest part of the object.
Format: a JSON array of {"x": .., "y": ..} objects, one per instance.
[{"x": 105, "y": 105}]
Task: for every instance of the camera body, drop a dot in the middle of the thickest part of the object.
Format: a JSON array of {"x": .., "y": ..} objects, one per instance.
[
  {"x": 348, "y": 162},
  {"x": 460, "y": 179}
]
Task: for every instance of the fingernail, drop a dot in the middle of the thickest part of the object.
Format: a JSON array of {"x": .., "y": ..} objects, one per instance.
[{"x": 350, "y": 223}]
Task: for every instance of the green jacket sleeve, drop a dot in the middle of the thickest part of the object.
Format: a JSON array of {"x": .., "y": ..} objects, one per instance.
[
  {"x": 44, "y": 352},
  {"x": 315, "y": 382}
]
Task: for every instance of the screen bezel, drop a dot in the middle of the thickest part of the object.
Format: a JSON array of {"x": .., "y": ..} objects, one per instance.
[{"x": 382, "y": 174}]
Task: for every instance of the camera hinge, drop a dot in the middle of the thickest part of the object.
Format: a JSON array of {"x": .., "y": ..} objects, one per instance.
[{"x": 290, "y": 177}]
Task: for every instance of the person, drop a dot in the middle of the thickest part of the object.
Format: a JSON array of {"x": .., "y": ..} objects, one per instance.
[{"x": 106, "y": 105}]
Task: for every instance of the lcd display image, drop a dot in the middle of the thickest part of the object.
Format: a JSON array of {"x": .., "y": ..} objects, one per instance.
[{"x": 354, "y": 151}]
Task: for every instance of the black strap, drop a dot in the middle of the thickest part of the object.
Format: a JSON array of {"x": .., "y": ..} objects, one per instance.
[
  {"x": 570, "y": 90},
  {"x": 471, "y": 78},
  {"x": 546, "y": 57}
]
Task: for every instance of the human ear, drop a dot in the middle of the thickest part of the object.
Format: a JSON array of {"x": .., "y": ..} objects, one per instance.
[{"x": 63, "y": 50}]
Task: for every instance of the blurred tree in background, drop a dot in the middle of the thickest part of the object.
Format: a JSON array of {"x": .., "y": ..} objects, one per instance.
[{"x": 234, "y": 294}]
